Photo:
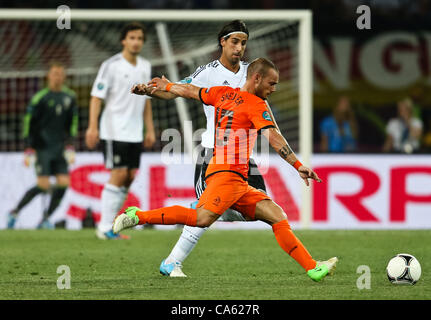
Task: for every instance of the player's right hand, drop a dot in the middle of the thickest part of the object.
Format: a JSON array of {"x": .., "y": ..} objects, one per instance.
[
  {"x": 91, "y": 138},
  {"x": 29, "y": 156}
]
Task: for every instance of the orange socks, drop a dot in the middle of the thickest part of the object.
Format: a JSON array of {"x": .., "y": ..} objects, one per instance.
[
  {"x": 168, "y": 215},
  {"x": 291, "y": 244}
]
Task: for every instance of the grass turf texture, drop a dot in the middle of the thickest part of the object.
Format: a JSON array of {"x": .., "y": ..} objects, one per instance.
[{"x": 225, "y": 265}]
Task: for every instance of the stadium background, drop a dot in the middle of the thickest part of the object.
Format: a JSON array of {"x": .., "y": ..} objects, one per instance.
[{"x": 363, "y": 190}]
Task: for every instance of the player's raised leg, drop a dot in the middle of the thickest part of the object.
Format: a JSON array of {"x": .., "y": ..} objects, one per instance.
[
  {"x": 270, "y": 212},
  {"x": 134, "y": 216}
]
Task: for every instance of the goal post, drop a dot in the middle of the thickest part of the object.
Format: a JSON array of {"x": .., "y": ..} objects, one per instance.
[{"x": 179, "y": 41}]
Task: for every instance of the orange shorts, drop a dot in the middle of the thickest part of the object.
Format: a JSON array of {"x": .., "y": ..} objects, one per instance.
[{"x": 228, "y": 190}]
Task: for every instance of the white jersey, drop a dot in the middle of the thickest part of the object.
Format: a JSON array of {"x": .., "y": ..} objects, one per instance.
[
  {"x": 211, "y": 75},
  {"x": 122, "y": 117},
  {"x": 399, "y": 132}
]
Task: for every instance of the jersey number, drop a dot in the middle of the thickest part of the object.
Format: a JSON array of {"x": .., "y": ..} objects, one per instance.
[{"x": 220, "y": 115}]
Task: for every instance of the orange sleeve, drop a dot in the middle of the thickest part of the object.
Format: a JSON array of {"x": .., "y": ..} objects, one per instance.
[
  {"x": 209, "y": 96},
  {"x": 260, "y": 116}
]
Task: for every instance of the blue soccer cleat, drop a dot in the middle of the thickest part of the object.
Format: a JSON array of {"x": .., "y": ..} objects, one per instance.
[
  {"x": 11, "y": 219},
  {"x": 194, "y": 204},
  {"x": 110, "y": 235},
  {"x": 45, "y": 224},
  {"x": 172, "y": 269}
]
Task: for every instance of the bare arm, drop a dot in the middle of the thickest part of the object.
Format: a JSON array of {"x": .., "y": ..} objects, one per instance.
[
  {"x": 185, "y": 90},
  {"x": 92, "y": 133},
  {"x": 279, "y": 143},
  {"x": 143, "y": 89},
  {"x": 150, "y": 135}
]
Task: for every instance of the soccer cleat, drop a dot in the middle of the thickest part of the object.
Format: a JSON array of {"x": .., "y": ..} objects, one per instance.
[
  {"x": 172, "y": 269},
  {"x": 194, "y": 204},
  {"x": 322, "y": 269},
  {"x": 11, "y": 219},
  {"x": 330, "y": 263},
  {"x": 109, "y": 235},
  {"x": 128, "y": 219},
  {"x": 46, "y": 225}
]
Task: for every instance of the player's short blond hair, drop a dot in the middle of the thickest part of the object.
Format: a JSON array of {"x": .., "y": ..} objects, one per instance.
[{"x": 260, "y": 66}]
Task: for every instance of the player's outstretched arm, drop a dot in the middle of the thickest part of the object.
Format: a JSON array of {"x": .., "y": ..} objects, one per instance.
[
  {"x": 279, "y": 143},
  {"x": 186, "y": 90},
  {"x": 143, "y": 89}
]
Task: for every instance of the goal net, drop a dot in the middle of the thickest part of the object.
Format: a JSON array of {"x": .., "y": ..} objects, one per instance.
[{"x": 176, "y": 44}]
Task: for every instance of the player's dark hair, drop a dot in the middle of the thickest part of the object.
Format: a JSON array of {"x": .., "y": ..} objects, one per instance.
[
  {"x": 235, "y": 25},
  {"x": 261, "y": 66},
  {"x": 130, "y": 27}
]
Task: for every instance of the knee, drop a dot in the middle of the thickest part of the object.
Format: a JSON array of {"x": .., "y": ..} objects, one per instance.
[
  {"x": 63, "y": 181},
  {"x": 119, "y": 177},
  {"x": 205, "y": 218},
  {"x": 203, "y": 222},
  {"x": 43, "y": 184}
]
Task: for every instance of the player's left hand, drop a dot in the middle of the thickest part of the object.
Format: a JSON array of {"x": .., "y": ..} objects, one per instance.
[
  {"x": 306, "y": 173},
  {"x": 150, "y": 139}
]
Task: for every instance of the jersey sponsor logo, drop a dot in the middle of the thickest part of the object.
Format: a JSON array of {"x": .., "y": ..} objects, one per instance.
[
  {"x": 266, "y": 116},
  {"x": 225, "y": 83},
  {"x": 100, "y": 86},
  {"x": 186, "y": 80}
]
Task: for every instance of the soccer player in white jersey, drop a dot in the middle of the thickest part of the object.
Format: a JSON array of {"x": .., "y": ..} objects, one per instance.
[
  {"x": 122, "y": 122},
  {"x": 228, "y": 70}
]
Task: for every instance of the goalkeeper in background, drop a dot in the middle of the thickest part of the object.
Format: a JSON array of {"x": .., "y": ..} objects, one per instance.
[{"x": 50, "y": 121}]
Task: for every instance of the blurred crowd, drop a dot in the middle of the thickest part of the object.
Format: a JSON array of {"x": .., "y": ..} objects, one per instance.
[{"x": 404, "y": 132}]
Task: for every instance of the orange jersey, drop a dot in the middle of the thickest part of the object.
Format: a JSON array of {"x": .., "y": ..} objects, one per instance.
[{"x": 239, "y": 116}]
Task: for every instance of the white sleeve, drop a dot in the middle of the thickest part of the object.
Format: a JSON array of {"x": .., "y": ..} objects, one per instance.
[
  {"x": 102, "y": 83},
  {"x": 417, "y": 123},
  {"x": 199, "y": 78},
  {"x": 391, "y": 127}
]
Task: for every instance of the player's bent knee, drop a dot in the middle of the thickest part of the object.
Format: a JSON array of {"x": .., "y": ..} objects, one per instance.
[{"x": 205, "y": 218}]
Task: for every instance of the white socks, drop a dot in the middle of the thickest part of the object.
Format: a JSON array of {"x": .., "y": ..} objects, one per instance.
[
  {"x": 112, "y": 200},
  {"x": 191, "y": 235},
  {"x": 185, "y": 244}
]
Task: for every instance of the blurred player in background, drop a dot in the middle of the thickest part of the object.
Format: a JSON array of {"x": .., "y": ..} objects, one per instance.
[
  {"x": 49, "y": 123},
  {"x": 122, "y": 122},
  {"x": 228, "y": 70},
  {"x": 239, "y": 115}
]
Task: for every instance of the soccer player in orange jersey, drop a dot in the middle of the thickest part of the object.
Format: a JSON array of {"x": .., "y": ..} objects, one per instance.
[{"x": 239, "y": 115}]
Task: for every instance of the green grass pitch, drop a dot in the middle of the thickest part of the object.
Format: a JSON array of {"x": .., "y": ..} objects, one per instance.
[{"x": 225, "y": 265}]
